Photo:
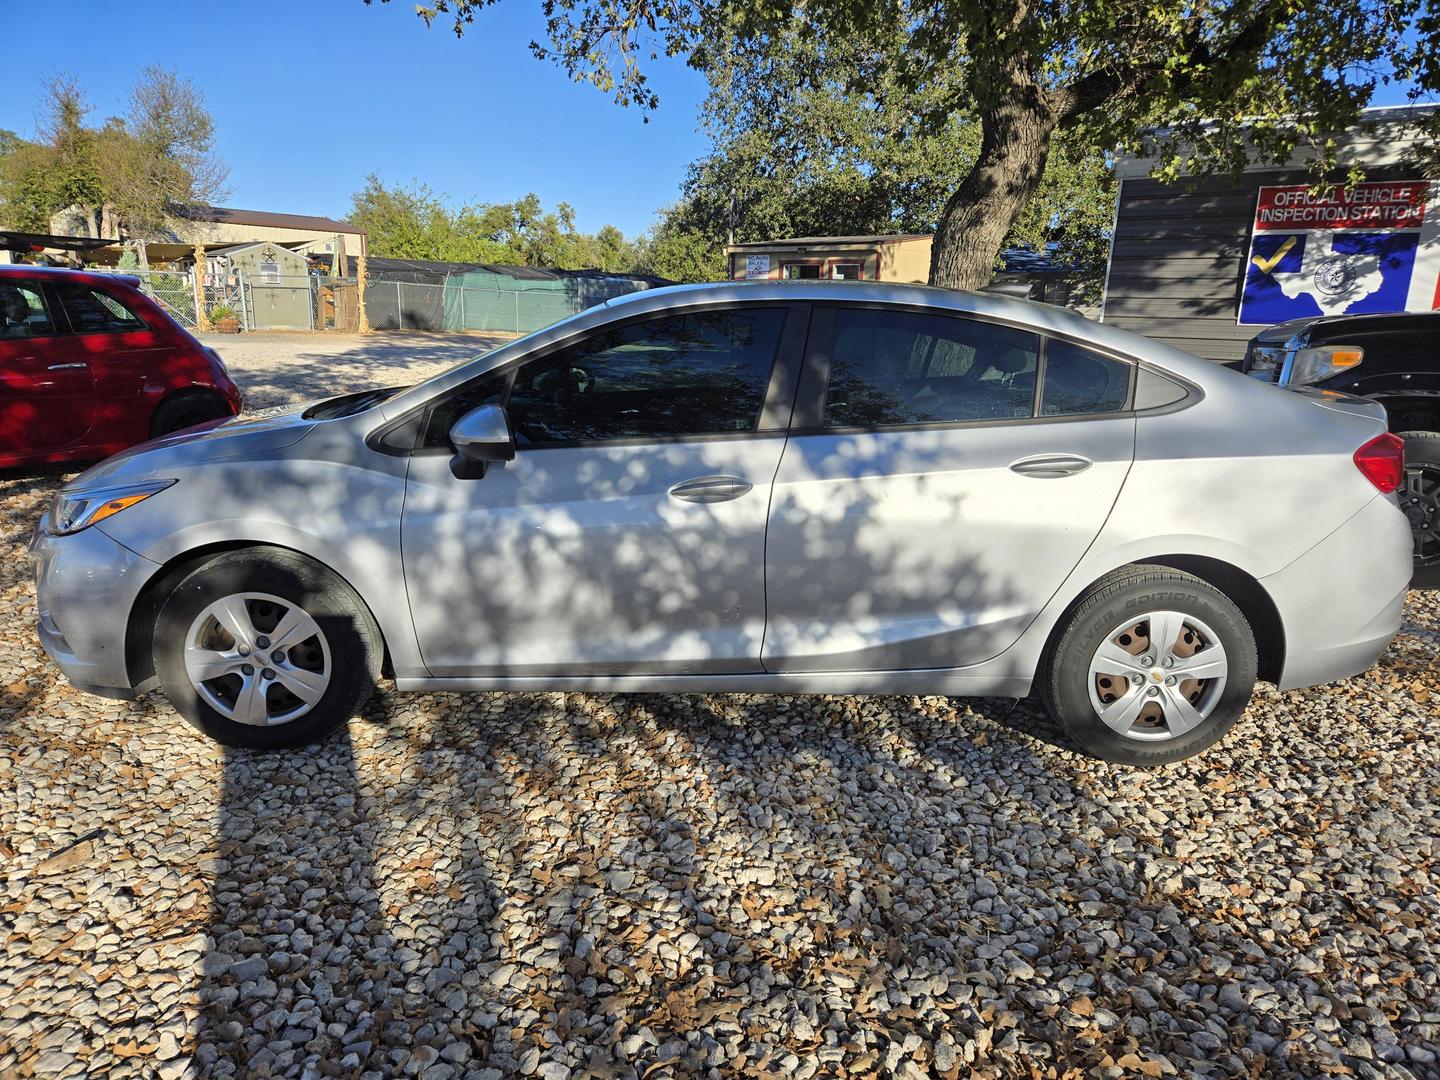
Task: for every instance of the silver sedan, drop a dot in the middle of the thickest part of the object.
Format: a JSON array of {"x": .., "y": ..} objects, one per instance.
[{"x": 790, "y": 487}]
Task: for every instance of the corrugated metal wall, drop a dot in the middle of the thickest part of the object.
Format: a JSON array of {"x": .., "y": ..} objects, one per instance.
[{"x": 1178, "y": 259}]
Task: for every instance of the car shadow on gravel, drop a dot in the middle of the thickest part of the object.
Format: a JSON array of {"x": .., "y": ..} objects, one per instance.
[
  {"x": 658, "y": 884},
  {"x": 293, "y": 890}
]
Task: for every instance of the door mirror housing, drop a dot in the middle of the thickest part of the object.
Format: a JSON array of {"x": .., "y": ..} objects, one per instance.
[{"x": 481, "y": 436}]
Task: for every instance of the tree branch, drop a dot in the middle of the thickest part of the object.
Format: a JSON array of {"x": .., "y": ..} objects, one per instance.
[{"x": 1095, "y": 89}]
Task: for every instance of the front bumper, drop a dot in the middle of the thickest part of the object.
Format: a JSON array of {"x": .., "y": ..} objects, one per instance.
[
  {"x": 1340, "y": 603},
  {"x": 86, "y": 585}
]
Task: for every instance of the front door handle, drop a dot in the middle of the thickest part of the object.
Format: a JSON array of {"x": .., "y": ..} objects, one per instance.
[
  {"x": 1051, "y": 466},
  {"x": 711, "y": 489},
  {"x": 66, "y": 367}
]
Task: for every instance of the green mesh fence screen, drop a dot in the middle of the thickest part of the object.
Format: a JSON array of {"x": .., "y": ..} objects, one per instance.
[{"x": 479, "y": 300}]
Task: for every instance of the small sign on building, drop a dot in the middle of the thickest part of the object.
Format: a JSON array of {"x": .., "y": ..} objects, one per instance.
[
  {"x": 757, "y": 266},
  {"x": 1373, "y": 247}
]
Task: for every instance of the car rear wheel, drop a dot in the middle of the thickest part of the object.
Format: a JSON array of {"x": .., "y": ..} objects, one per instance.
[
  {"x": 265, "y": 649},
  {"x": 185, "y": 411},
  {"x": 1152, "y": 665},
  {"x": 1420, "y": 499}
]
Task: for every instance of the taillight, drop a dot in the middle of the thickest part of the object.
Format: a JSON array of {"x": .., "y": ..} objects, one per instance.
[{"x": 1382, "y": 460}]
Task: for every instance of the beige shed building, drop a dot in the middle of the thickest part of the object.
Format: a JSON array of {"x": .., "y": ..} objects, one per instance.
[{"x": 900, "y": 257}]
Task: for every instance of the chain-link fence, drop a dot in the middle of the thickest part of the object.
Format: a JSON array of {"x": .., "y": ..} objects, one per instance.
[
  {"x": 310, "y": 302},
  {"x": 174, "y": 291}
]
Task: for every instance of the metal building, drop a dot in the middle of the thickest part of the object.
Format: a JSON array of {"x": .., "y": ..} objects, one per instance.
[{"x": 1203, "y": 264}]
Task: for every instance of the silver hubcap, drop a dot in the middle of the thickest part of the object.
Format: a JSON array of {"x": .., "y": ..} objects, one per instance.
[
  {"x": 257, "y": 659},
  {"x": 1158, "y": 676}
]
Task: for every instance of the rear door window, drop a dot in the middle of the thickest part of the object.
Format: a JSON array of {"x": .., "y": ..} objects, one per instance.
[
  {"x": 95, "y": 311},
  {"x": 1079, "y": 382},
  {"x": 899, "y": 368}
]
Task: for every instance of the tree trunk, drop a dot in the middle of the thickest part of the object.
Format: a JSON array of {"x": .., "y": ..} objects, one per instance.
[{"x": 1016, "y": 125}]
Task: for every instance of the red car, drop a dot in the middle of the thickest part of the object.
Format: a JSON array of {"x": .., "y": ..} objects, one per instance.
[{"x": 90, "y": 365}]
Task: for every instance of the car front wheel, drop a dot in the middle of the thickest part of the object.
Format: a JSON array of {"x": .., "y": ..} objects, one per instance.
[
  {"x": 266, "y": 649},
  {"x": 1151, "y": 666}
]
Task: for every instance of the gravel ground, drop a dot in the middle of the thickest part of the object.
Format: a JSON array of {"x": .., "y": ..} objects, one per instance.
[
  {"x": 276, "y": 368},
  {"x": 585, "y": 885}
]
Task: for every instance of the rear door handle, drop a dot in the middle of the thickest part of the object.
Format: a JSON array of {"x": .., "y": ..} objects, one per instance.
[
  {"x": 66, "y": 367},
  {"x": 711, "y": 489},
  {"x": 1051, "y": 466}
]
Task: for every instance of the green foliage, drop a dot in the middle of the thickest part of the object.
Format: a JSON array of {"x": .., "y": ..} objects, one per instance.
[
  {"x": 800, "y": 151},
  {"x": 222, "y": 311},
  {"x": 1224, "y": 82},
  {"x": 125, "y": 176},
  {"x": 682, "y": 252},
  {"x": 128, "y": 262},
  {"x": 414, "y": 223}
]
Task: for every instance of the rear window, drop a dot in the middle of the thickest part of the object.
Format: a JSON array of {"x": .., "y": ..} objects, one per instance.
[{"x": 94, "y": 311}]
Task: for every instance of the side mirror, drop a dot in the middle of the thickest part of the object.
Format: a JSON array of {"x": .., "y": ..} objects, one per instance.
[{"x": 481, "y": 436}]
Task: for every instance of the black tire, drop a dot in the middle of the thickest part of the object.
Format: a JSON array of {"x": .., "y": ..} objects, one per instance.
[
  {"x": 354, "y": 642},
  {"x": 187, "y": 409},
  {"x": 1106, "y": 605},
  {"x": 1422, "y": 456}
]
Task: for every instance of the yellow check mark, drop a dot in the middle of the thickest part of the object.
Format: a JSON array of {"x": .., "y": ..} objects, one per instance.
[{"x": 1266, "y": 265}]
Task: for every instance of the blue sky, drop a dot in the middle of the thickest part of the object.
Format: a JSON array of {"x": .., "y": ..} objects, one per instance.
[{"x": 311, "y": 95}]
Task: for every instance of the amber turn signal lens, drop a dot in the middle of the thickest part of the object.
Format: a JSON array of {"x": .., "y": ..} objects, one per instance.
[{"x": 114, "y": 506}]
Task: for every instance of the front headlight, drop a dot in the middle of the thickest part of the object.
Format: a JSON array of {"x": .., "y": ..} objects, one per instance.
[
  {"x": 1265, "y": 362},
  {"x": 71, "y": 511},
  {"x": 1319, "y": 363}
]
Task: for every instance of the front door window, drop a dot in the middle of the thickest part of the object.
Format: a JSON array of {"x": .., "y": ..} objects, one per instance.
[{"x": 702, "y": 373}]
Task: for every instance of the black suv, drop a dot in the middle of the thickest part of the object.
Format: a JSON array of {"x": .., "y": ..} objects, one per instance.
[{"x": 1394, "y": 359}]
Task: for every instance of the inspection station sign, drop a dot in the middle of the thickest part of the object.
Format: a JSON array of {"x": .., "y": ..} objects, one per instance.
[{"x": 1367, "y": 248}]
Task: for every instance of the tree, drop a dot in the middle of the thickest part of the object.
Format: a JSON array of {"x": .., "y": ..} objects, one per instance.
[
  {"x": 162, "y": 156},
  {"x": 680, "y": 252},
  {"x": 842, "y": 159},
  {"x": 1229, "y": 80},
  {"x": 414, "y": 223},
  {"x": 126, "y": 177}
]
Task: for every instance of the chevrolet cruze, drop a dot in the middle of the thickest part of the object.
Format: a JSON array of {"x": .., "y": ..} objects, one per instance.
[{"x": 787, "y": 487}]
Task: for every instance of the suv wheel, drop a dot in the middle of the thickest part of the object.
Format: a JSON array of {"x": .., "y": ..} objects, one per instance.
[
  {"x": 265, "y": 649},
  {"x": 1420, "y": 499},
  {"x": 1152, "y": 665}
]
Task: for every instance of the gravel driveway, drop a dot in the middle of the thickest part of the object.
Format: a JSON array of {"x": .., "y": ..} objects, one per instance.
[{"x": 589, "y": 885}]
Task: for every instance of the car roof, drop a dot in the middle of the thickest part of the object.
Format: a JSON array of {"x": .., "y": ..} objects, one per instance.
[
  {"x": 26, "y": 270},
  {"x": 1030, "y": 314}
]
